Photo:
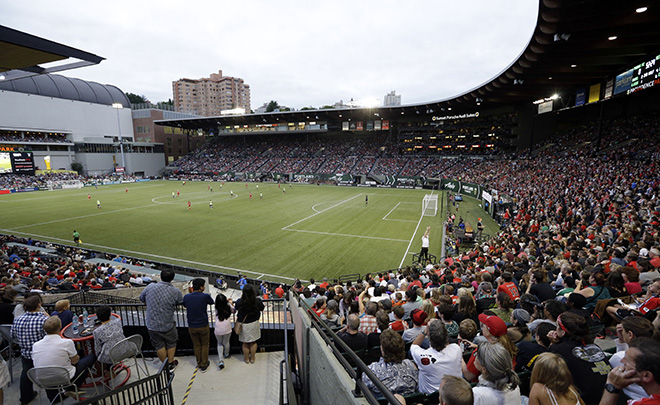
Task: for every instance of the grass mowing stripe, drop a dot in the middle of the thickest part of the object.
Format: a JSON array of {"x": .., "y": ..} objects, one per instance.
[
  {"x": 108, "y": 248},
  {"x": 315, "y": 214}
]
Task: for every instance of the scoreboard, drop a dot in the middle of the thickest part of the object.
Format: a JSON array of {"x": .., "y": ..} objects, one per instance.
[
  {"x": 17, "y": 162},
  {"x": 645, "y": 74}
]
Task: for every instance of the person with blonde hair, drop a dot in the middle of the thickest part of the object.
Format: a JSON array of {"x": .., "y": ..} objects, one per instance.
[{"x": 552, "y": 383}]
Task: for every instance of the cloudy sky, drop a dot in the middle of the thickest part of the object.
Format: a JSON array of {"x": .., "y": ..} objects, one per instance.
[{"x": 297, "y": 52}]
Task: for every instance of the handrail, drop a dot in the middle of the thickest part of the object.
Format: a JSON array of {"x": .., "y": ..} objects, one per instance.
[
  {"x": 332, "y": 340},
  {"x": 140, "y": 391}
]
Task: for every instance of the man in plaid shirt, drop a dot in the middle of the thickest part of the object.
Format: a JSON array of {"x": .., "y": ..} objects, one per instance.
[
  {"x": 28, "y": 329},
  {"x": 162, "y": 299}
]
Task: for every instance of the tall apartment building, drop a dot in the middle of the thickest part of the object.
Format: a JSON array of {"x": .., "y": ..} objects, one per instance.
[
  {"x": 209, "y": 96},
  {"x": 391, "y": 99}
]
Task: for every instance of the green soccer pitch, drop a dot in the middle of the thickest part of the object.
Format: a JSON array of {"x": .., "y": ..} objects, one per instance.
[{"x": 309, "y": 231}]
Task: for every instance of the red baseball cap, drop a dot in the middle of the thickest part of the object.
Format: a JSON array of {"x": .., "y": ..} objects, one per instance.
[
  {"x": 418, "y": 316},
  {"x": 494, "y": 324}
]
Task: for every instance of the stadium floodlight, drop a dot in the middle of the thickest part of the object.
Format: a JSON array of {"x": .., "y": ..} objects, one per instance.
[
  {"x": 641, "y": 10},
  {"x": 119, "y": 106},
  {"x": 554, "y": 97},
  {"x": 612, "y": 38}
]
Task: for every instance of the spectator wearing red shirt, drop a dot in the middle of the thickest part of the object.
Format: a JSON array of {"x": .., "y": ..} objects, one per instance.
[
  {"x": 506, "y": 285},
  {"x": 279, "y": 291}
]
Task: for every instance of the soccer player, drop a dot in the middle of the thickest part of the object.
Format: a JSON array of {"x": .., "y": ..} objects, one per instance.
[
  {"x": 257, "y": 187},
  {"x": 210, "y": 204},
  {"x": 261, "y": 195},
  {"x": 246, "y": 186},
  {"x": 76, "y": 237},
  {"x": 189, "y": 205},
  {"x": 211, "y": 189},
  {"x": 231, "y": 193},
  {"x": 127, "y": 189},
  {"x": 173, "y": 194},
  {"x": 89, "y": 197},
  {"x": 366, "y": 200},
  {"x": 98, "y": 203},
  {"x": 177, "y": 192},
  {"x": 250, "y": 195},
  {"x": 284, "y": 190}
]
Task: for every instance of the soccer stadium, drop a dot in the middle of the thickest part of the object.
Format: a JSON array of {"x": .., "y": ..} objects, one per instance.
[{"x": 498, "y": 246}]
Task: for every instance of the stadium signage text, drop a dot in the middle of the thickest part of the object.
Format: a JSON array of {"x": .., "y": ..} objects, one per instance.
[{"x": 455, "y": 117}]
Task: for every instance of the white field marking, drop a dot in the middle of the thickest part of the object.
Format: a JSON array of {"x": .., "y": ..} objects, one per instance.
[
  {"x": 259, "y": 278},
  {"x": 344, "y": 234},
  {"x": 324, "y": 210},
  {"x": 398, "y": 220},
  {"x": 76, "y": 194},
  {"x": 106, "y": 248},
  {"x": 412, "y": 237},
  {"x": 173, "y": 201},
  {"x": 385, "y": 217},
  {"x": 316, "y": 205},
  {"x": 84, "y": 216}
]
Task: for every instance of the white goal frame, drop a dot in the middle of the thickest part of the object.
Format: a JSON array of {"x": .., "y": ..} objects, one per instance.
[{"x": 430, "y": 205}]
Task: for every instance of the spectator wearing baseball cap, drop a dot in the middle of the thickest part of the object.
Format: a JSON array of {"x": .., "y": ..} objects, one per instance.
[
  {"x": 494, "y": 330},
  {"x": 418, "y": 317}
]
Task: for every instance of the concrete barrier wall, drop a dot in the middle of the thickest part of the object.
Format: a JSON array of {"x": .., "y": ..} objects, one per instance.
[{"x": 322, "y": 375}]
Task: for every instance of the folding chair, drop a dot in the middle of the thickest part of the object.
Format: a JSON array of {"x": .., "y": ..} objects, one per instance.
[
  {"x": 5, "y": 333},
  {"x": 53, "y": 378},
  {"x": 129, "y": 348}
]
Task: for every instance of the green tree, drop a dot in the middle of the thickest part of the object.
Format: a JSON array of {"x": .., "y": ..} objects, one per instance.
[
  {"x": 136, "y": 99},
  {"x": 272, "y": 106},
  {"x": 77, "y": 167},
  {"x": 307, "y": 108},
  {"x": 327, "y": 107}
]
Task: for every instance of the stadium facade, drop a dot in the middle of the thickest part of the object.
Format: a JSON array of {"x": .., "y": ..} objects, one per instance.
[{"x": 71, "y": 120}]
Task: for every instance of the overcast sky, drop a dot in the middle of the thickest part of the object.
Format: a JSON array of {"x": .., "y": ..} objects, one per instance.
[{"x": 297, "y": 52}]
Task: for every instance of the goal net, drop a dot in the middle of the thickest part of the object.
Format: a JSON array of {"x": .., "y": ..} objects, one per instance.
[{"x": 430, "y": 205}]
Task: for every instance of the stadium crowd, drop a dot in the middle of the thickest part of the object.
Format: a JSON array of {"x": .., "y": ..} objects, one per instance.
[{"x": 575, "y": 262}]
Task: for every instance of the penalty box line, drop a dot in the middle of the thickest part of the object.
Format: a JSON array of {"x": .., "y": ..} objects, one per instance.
[{"x": 286, "y": 228}]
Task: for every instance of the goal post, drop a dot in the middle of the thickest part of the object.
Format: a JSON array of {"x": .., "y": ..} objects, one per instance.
[{"x": 430, "y": 205}]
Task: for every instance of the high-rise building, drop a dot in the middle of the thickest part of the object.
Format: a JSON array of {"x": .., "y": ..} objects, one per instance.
[
  {"x": 210, "y": 96},
  {"x": 391, "y": 99}
]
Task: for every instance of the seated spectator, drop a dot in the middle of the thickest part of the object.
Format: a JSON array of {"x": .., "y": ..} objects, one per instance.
[
  {"x": 330, "y": 316},
  {"x": 528, "y": 351},
  {"x": 319, "y": 306},
  {"x": 640, "y": 365},
  {"x": 649, "y": 302},
  {"x": 498, "y": 383},
  {"x": 396, "y": 372},
  {"x": 54, "y": 350},
  {"x": 63, "y": 311},
  {"x": 552, "y": 383},
  {"x": 628, "y": 330},
  {"x": 518, "y": 330},
  {"x": 368, "y": 322},
  {"x": 504, "y": 307},
  {"x": 587, "y": 362},
  {"x": 493, "y": 330},
  {"x": 440, "y": 359},
  {"x": 419, "y": 319},
  {"x": 568, "y": 284},
  {"x": 455, "y": 391},
  {"x": 506, "y": 285},
  {"x": 446, "y": 312},
  {"x": 383, "y": 321},
  {"x": 106, "y": 335},
  {"x": 467, "y": 331},
  {"x": 539, "y": 287},
  {"x": 398, "y": 324},
  {"x": 595, "y": 291},
  {"x": 351, "y": 335}
]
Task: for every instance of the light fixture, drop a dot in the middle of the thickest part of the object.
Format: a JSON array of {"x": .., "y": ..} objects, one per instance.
[
  {"x": 612, "y": 38},
  {"x": 641, "y": 10},
  {"x": 559, "y": 37},
  {"x": 573, "y": 66}
]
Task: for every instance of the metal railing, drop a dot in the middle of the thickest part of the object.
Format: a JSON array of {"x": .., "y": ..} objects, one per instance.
[
  {"x": 133, "y": 318},
  {"x": 154, "y": 389},
  {"x": 353, "y": 365}
]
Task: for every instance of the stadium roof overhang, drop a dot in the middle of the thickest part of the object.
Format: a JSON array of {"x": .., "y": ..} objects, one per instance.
[
  {"x": 22, "y": 54},
  {"x": 572, "y": 46}
]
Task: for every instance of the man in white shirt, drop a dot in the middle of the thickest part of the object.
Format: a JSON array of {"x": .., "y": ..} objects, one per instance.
[
  {"x": 438, "y": 360},
  {"x": 53, "y": 350},
  {"x": 424, "y": 254}
]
